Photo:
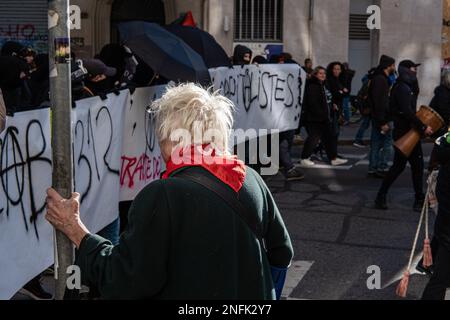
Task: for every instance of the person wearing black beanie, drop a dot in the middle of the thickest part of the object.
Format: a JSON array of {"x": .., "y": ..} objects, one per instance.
[{"x": 378, "y": 100}]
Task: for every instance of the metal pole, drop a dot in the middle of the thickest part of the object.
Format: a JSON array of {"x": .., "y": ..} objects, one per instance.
[{"x": 61, "y": 103}]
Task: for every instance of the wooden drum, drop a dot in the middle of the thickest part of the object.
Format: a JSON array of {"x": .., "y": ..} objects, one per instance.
[{"x": 429, "y": 117}]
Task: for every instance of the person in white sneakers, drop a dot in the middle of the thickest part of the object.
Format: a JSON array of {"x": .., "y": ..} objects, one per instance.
[{"x": 317, "y": 117}]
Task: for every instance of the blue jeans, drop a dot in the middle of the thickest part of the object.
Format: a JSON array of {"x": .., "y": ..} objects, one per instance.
[
  {"x": 111, "y": 232},
  {"x": 380, "y": 149},
  {"x": 347, "y": 109},
  {"x": 286, "y": 142},
  {"x": 365, "y": 124}
]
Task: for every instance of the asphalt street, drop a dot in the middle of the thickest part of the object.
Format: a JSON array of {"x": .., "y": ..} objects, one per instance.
[{"x": 337, "y": 234}]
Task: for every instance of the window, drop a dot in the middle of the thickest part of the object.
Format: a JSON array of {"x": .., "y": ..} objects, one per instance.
[{"x": 258, "y": 20}]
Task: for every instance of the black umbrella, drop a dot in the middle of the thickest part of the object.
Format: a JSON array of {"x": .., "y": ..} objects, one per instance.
[
  {"x": 164, "y": 52},
  {"x": 203, "y": 43}
]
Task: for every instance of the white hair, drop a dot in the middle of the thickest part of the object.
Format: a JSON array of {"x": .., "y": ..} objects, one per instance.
[{"x": 191, "y": 109}]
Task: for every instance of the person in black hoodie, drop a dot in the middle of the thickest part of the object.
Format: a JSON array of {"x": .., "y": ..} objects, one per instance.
[
  {"x": 403, "y": 104},
  {"x": 242, "y": 55},
  {"x": 39, "y": 81},
  {"x": 441, "y": 104},
  {"x": 317, "y": 117},
  {"x": 441, "y": 99},
  {"x": 440, "y": 280},
  {"x": 10, "y": 82},
  {"x": 378, "y": 100}
]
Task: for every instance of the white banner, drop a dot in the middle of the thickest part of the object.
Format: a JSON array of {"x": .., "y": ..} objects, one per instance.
[
  {"x": 26, "y": 245},
  {"x": 97, "y": 135},
  {"x": 141, "y": 157},
  {"x": 267, "y": 96},
  {"x": 116, "y": 154}
]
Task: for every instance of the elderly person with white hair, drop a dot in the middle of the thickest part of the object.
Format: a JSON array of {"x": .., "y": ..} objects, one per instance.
[{"x": 209, "y": 229}]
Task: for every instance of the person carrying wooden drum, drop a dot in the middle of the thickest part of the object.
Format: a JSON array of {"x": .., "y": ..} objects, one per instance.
[{"x": 403, "y": 105}]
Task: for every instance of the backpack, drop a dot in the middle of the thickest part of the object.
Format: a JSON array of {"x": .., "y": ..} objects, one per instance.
[{"x": 362, "y": 98}]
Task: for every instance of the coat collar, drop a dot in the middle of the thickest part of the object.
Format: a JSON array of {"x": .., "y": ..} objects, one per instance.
[{"x": 227, "y": 168}]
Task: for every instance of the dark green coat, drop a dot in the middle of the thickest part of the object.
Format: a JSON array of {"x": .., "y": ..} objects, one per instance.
[{"x": 184, "y": 242}]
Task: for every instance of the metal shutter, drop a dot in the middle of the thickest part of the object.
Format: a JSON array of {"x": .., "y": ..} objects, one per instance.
[
  {"x": 358, "y": 27},
  {"x": 24, "y": 21}
]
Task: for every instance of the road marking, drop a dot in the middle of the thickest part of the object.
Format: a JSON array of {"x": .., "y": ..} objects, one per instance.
[
  {"x": 354, "y": 156},
  {"x": 412, "y": 271},
  {"x": 295, "y": 274},
  {"x": 326, "y": 166}
]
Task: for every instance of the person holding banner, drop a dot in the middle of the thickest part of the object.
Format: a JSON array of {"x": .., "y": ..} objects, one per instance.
[
  {"x": 209, "y": 229},
  {"x": 2, "y": 112}
]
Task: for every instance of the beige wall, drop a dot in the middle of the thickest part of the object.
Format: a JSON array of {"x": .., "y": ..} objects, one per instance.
[
  {"x": 85, "y": 36},
  {"x": 330, "y": 31},
  {"x": 296, "y": 38},
  {"x": 413, "y": 30},
  {"x": 410, "y": 29},
  {"x": 216, "y": 11}
]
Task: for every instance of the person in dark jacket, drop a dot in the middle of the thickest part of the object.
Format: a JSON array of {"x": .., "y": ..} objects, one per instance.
[
  {"x": 403, "y": 107},
  {"x": 308, "y": 68},
  {"x": 336, "y": 87},
  {"x": 2, "y": 112},
  {"x": 242, "y": 55},
  {"x": 440, "y": 279},
  {"x": 183, "y": 241},
  {"x": 335, "y": 83},
  {"x": 39, "y": 81},
  {"x": 441, "y": 104},
  {"x": 10, "y": 82},
  {"x": 100, "y": 77},
  {"x": 347, "y": 76},
  {"x": 381, "y": 138},
  {"x": 317, "y": 118},
  {"x": 259, "y": 60},
  {"x": 441, "y": 99}
]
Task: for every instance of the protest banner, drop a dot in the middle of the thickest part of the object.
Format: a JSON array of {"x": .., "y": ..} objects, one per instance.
[{"x": 116, "y": 154}]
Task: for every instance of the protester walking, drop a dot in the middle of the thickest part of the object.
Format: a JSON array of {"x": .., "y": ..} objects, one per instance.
[
  {"x": 381, "y": 137},
  {"x": 403, "y": 107},
  {"x": 317, "y": 117}
]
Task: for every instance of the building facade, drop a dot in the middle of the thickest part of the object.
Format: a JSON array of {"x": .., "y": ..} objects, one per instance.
[{"x": 324, "y": 30}]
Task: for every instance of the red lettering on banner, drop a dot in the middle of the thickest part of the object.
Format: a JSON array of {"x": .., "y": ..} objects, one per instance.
[{"x": 139, "y": 169}]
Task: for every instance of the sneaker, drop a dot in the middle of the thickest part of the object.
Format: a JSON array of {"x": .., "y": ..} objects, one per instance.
[
  {"x": 338, "y": 162},
  {"x": 34, "y": 290},
  {"x": 307, "y": 163},
  {"x": 428, "y": 271},
  {"x": 359, "y": 144},
  {"x": 294, "y": 175}
]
